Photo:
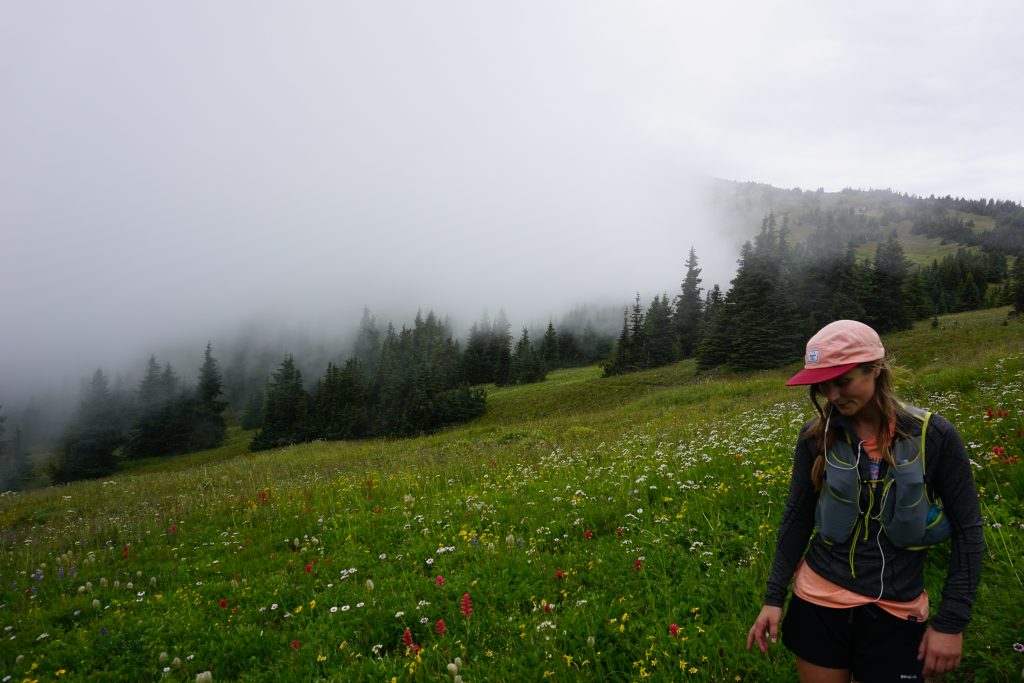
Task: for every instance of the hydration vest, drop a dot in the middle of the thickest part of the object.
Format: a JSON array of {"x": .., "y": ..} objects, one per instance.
[{"x": 906, "y": 512}]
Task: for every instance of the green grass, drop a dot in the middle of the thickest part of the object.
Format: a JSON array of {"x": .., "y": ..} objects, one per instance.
[{"x": 236, "y": 560}]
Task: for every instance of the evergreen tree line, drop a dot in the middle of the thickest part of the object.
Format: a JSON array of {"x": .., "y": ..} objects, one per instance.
[
  {"x": 782, "y": 293},
  {"x": 401, "y": 383},
  {"x": 1006, "y": 236},
  {"x": 162, "y": 417}
]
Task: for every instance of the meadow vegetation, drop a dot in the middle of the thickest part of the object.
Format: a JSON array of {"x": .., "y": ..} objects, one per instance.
[{"x": 603, "y": 528}]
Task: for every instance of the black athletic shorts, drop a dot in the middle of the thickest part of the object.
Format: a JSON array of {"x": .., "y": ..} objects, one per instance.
[{"x": 873, "y": 644}]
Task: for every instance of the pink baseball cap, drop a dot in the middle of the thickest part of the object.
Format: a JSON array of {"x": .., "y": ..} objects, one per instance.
[{"x": 838, "y": 348}]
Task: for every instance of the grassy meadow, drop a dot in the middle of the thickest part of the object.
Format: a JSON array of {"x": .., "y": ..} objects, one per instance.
[{"x": 583, "y": 528}]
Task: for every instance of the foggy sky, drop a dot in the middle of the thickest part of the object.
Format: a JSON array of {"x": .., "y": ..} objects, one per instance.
[{"x": 171, "y": 171}]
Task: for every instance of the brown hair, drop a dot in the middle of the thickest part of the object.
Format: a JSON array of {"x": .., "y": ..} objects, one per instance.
[{"x": 889, "y": 410}]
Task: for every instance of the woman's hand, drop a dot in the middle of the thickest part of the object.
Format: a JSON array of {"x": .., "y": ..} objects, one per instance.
[
  {"x": 765, "y": 627},
  {"x": 939, "y": 651}
]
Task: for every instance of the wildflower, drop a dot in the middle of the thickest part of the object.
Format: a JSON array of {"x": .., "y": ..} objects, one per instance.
[
  {"x": 309, "y": 568},
  {"x": 205, "y": 677},
  {"x": 295, "y": 645},
  {"x": 590, "y": 641},
  {"x": 1018, "y": 647},
  {"x": 399, "y": 615},
  {"x": 369, "y": 584},
  {"x": 439, "y": 581},
  {"x": 162, "y": 658},
  {"x": 587, "y": 534},
  {"x": 274, "y": 606},
  {"x": 510, "y": 539},
  {"x": 95, "y": 604},
  {"x": 452, "y": 669},
  {"x": 559, "y": 574},
  {"x": 440, "y": 627},
  {"x": 407, "y": 641},
  {"x": 638, "y": 564},
  {"x": 223, "y": 603},
  {"x": 673, "y": 629},
  {"x": 176, "y": 663},
  {"x": 467, "y": 606},
  {"x": 360, "y": 604},
  {"x": 344, "y": 608}
]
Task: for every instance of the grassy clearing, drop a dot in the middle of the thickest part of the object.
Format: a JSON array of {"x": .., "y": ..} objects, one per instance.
[{"x": 583, "y": 517}]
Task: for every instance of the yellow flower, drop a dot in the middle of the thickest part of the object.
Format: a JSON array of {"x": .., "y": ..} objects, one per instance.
[
  {"x": 61, "y": 672},
  {"x": 298, "y": 609},
  {"x": 694, "y": 669},
  {"x": 312, "y": 604},
  {"x": 321, "y": 658}
]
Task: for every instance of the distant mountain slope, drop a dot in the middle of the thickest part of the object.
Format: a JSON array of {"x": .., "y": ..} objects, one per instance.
[{"x": 927, "y": 227}]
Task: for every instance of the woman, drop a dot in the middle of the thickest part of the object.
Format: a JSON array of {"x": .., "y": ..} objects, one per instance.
[{"x": 867, "y": 477}]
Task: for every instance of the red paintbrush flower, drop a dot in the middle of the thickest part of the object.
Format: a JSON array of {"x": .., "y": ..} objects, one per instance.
[{"x": 467, "y": 606}]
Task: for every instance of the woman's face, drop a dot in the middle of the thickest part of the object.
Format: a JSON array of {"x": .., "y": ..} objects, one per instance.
[{"x": 852, "y": 391}]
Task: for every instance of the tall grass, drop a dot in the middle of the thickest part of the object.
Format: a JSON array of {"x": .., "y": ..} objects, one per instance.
[{"x": 614, "y": 529}]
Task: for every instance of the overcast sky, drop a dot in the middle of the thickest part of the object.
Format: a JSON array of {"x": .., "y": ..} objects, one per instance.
[{"x": 170, "y": 170}]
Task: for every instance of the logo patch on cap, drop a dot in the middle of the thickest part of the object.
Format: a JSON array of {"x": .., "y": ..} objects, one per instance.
[{"x": 813, "y": 356}]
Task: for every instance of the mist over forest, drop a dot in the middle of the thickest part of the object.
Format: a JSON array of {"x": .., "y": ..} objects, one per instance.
[{"x": 297, "y": 165}]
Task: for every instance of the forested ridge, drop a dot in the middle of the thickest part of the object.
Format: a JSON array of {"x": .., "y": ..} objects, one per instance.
[{"x": 815, "y": 257}]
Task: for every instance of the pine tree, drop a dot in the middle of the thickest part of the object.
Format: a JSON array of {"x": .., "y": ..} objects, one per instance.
[
  {"x": 87, "y": 449},
  {"x": 499, "y": 351},
  {"x": 637, "y": 359},
  {"x": 549, "y": 349},
  {"x": 621, "y": 352},
  {"x": 527, "y": 365},
  {"x": 367, "y": 346},
  {"x": 689, "y": 318},
  {"x": 661, "y": 334},
  {"x": 886, "y": 308},
  {"x": 207, "y": 427},
  {"x": 286, "y": 417},
  {"x": 1017, "y": 281},
  {"x": 475, "y": 365}
]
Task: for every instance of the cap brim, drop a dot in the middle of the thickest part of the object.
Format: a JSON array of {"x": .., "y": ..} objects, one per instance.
[{"x": 816, "y": 375}]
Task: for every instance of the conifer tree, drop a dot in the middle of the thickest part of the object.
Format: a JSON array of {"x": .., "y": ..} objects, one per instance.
[
  {"x": 476, "y": 368},
  {"x": 367, "y": 346},
  {"x": 87, "y": 449},
  {"x": 1017, "y": 285},
  {"x": 499, "y": 350},
  {"x": 527, "y": 365},
  {"x": 886, "y": 308},
  {"x": 207, "y": 427},
  {"x": 286, "y": 409},
  {"x": 549, "y": 348},
  {"x": 688, "y": 311},
  {"x": 637, "y": 359},
  {"x": 661, "y": 334}
]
